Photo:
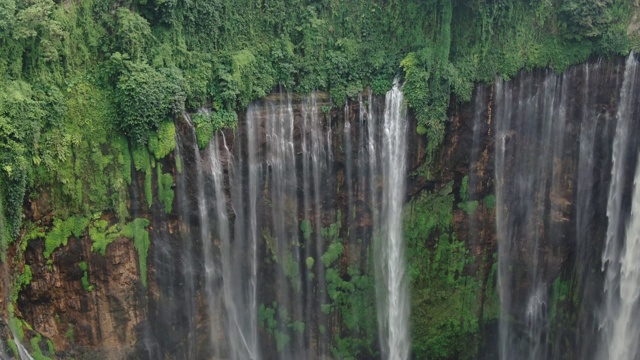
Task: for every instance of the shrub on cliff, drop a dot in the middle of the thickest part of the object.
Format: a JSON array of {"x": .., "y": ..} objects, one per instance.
[
  {"x": 585, "y": 18},
  {"x": 145, "y": 97}
]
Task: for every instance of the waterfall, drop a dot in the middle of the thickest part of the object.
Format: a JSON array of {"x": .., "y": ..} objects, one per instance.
[
  {"x": 282, "y": 185},
  {"x": 240, "y": 322},
  {"x": 346, "y": 136},
  {"x": 564, "y": 164},
  {"x": 391, "y": 282},
  {"x": 620, "y": 304},
  {"x": 272, "y": 228},
  {"x": 22, "y": 352},
  {"x": 315, "y": 178},
  {"x": 211, "y": 271},
  {"x": 530, "y": 176},
  {"x": 283, "y": 220},
  {"x": 251, "y": 235},
  {"x": 626, "y": 330},
  {"x": 187, "y": 263}
]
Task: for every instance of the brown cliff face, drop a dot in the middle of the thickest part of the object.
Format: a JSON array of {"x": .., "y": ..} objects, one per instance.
[
  {"x": 120, "y": 318},
  {"x": 58, "y": 307}
]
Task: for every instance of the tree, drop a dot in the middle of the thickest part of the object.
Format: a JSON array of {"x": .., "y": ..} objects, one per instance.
[
  {"x": 585, "y": 18},
  {"x": 145, "y": 97},
  {"x": 132, "y": 31}
]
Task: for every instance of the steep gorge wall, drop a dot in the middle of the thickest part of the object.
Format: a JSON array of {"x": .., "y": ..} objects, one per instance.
[{"x": 449, "y": 229}]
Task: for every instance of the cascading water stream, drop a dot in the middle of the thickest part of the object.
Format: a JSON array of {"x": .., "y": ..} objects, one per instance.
[
  {"x": 240, "y": 322},
  {"x": 22, "y": 352},
  {"x": 251, "y": 235},
  {"x": 270, "y": 192},
  {"x": 346, "y": 136},
  {"x": 282, "y": 185},
  {"x": 391, "y": 282},
  {"x": 211, "y": 271},
  {"x": 314, "y": 155},
  {"x": 530, "y": 130},
  {"x": 618, "y": 327},
  {"x": 626, "y": 331},
  {"x": 556, "y": 159},
  {"x": 475, "y": 145}
]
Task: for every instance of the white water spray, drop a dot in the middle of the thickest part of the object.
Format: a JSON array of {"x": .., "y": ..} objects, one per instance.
[{"x": 391, "y": 287}]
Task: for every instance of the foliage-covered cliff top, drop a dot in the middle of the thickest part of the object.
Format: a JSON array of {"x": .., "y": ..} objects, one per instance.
[{"x": 83, "y": 81}]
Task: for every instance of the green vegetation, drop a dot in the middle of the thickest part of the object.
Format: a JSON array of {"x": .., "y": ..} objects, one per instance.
[
  {"x": 32, "y": 232},
  {"x": 354, "y": 300},
  {"x": 291, "y": 270},
  {"x": 16, "y": 325},
  {"x": 36, "y": 352},
  {"x": 277, "y": 322},
  {"x": 85, "y": 277},
  {"x": 145, "y": 96},
  {"x": 162, "y": 142},
  {"x": 142, "y": 161},
  {"x": 307, "y": 230},
  {"x": 207, "y": 124},
  {"x": 446, "y": 298},
  {"x": 310, "y": 262},
  {"x": 469, "y": 206},
  {"x": 5, "y": 238},
  {"x": 70, "y": 333},
  {"x": 564, "y": 299},
  {"x": 20, "y": 283},
  {"x": 284, "y": 257},
  {"x": 464, "y": 188},
  {"x": 165, "y": 193},
  {"x": 333, "y": 253},
  {"x": 101, "y": 235},
  {"x": 351, "y": 298},
  {"x": 88, "y": 90},
  {"x": 136, "y": 230},
  {"x": 78, "y": 77},
  {"x": 467, "y": 42},
  {"x": 50, "y": 347},
  {"x": 13, "y": 347},
  {"x": 61, "y": 231},
  {"x": 490, "y": 201}
]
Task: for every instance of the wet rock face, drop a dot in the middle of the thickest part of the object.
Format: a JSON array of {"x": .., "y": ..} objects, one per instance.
[
  {"x": 548, "y": 138},
  {"x": 58, "y": 306},
  {"x": 168, "y": 319}
]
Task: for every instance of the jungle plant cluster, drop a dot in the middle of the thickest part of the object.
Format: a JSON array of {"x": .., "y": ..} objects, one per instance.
[
  {"x": 346, "y": 318},
  {"x": 452, "y": 292}
]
